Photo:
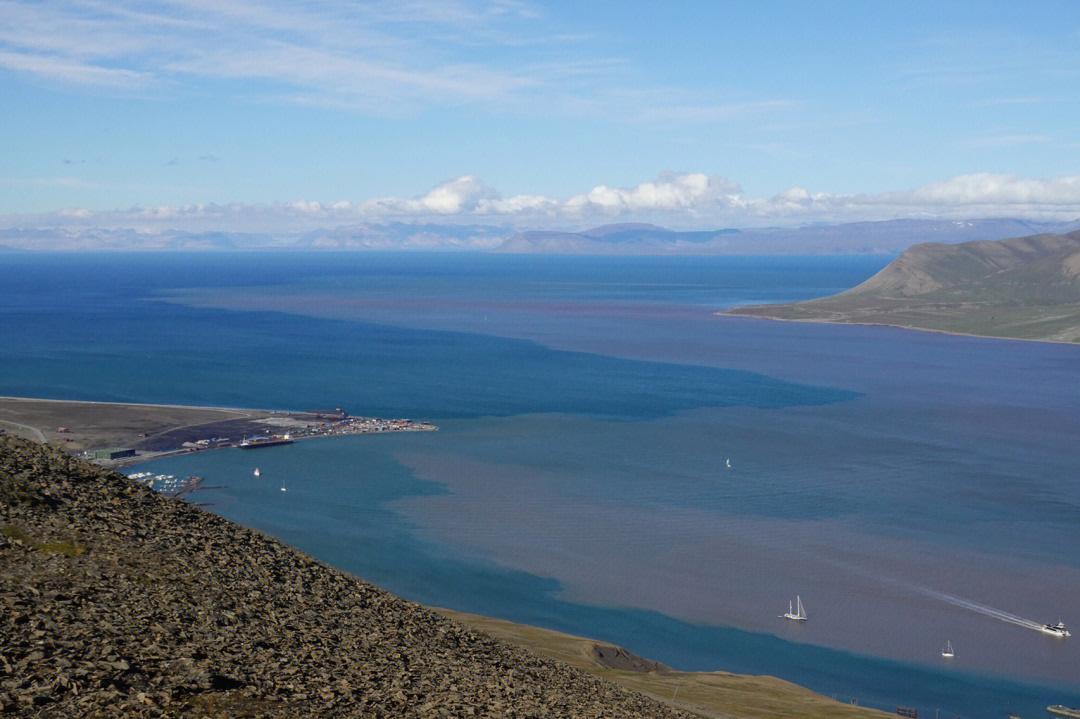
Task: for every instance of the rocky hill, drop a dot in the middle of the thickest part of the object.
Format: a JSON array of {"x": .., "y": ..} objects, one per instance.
[
  {"x": 1026, "y": 287},
  {"x": 116, "y": 601}
]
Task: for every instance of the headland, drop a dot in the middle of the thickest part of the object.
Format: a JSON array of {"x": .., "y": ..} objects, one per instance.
[{"x": 1026, "y": 288}]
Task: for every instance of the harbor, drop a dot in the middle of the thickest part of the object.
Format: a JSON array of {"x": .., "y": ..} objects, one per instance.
[
  {"x": 276, "y": 430},
  {"x": 118, "y": 435}
]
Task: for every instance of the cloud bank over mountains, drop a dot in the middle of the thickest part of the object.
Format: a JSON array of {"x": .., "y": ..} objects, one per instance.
[{"x": 684, "y": 201}]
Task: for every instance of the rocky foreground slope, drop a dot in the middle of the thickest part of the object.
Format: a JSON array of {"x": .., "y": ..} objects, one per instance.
[
  {"x": 1025, "y": 288},
  {"x": 115, "y": 601}
]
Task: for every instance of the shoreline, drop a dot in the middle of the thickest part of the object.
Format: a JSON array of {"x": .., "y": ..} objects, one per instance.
[
  {"x": 131, "y": 462},
  {"x": 359, "y": 644},
  {"x": 819, "y": 321},
  {"x": 710, "y": 694},
  {"x": 155, "y": 431},
  {"x": 716, "y": 693},
  {"x": 659, "y": 685}
]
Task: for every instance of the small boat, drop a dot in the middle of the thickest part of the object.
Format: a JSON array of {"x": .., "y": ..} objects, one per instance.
[
  {"x": 798, "y": 613},
  {"x": 283, "y": 484},
  {"x": 1057, "y": 630},
  {"x": 948, "y": 652},
  {"x": 729, "y": 463},
  {"x": 256, "y": 472}
]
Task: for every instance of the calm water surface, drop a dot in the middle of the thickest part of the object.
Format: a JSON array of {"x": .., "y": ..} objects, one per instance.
[{"x": 908, "y": 486}]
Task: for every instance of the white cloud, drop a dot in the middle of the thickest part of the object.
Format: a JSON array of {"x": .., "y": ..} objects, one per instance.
[
  {"x": 69, "y": 182},
  {"x": 692, "y": 194},
  {"x": 694, "y": 200},
  {"x": 1008, "y": 140},
  {"x": 460, "y": 195},
  {"x": 367, "y": 55},
  {"x": 1000, "y": 101},
  {"x": 382, "y": 57},
  {"x": 707, "y": 113},
  {"x": 996, "y": 191},
  {"x": 69, "y": 70}
]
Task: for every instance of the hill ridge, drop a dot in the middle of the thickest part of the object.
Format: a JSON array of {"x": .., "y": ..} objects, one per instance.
[
  {"x": 1021, "y": 288},
  {"x": 931, "y": 266}
]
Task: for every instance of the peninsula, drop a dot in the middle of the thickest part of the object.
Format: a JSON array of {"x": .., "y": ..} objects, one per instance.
[
  {"x": 118, "y": 434},
  {"x": 1021, "y": 288}
]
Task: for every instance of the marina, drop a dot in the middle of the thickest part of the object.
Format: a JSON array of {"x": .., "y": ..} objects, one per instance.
[{"x": 169, "y": 484}]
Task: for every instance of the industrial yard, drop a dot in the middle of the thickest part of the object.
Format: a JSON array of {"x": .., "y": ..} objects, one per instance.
[{"x": 115, "y": 434}]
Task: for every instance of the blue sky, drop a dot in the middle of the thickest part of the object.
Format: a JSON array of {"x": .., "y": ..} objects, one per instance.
[{"x": 540, "y": 113}]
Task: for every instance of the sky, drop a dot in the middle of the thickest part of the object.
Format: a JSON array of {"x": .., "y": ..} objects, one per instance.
[{"x": 539, "y": 114}]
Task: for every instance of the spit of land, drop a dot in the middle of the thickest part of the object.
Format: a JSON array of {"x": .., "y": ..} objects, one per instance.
[{"x": 142, "y": 432}]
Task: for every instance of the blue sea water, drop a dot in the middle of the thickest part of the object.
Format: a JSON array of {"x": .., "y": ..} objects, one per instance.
[{"x": 588, "y": 407}]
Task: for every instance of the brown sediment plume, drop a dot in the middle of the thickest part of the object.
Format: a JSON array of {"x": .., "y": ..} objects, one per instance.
[{"x": 116, "y": 601}]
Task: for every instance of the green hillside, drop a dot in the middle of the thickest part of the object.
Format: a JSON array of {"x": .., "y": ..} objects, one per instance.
[{"x": 1024, "y": 288}]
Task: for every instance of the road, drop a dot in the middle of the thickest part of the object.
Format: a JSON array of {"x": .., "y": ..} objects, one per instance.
[{"x": 34, "y": 431}]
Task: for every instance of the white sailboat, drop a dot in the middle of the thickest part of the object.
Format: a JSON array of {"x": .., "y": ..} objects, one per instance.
[
  {"x": 256, "y": 472},
  {"x": 948, "y": 650},
  {"x": 283, "y": 483},
  {"x": 729, "y": 463},
  {"x": 797, "y": 612}
]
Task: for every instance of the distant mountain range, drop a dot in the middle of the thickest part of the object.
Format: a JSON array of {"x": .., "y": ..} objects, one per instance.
[
  {"x": 619, "y": 239},
  {"x": 1026, "y": 287}
]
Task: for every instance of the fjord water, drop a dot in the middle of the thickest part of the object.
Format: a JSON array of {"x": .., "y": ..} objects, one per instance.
[{"x": 900, "y": 482}]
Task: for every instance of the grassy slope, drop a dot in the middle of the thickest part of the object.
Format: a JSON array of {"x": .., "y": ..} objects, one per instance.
[
  {"x": 707, "y": 694},
  {"x": 1024, "y": 288}
]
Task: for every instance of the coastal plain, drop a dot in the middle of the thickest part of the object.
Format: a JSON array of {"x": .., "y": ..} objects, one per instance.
[
  {"x": 85, "y": 425},
  {"x": 154, "y": 431}
]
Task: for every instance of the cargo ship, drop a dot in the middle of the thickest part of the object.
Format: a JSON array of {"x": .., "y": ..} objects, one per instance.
[{"x": 256, "y": 442}]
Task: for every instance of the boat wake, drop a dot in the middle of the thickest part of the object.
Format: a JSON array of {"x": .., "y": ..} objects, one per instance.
[{"x": 981, "y": 609}]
